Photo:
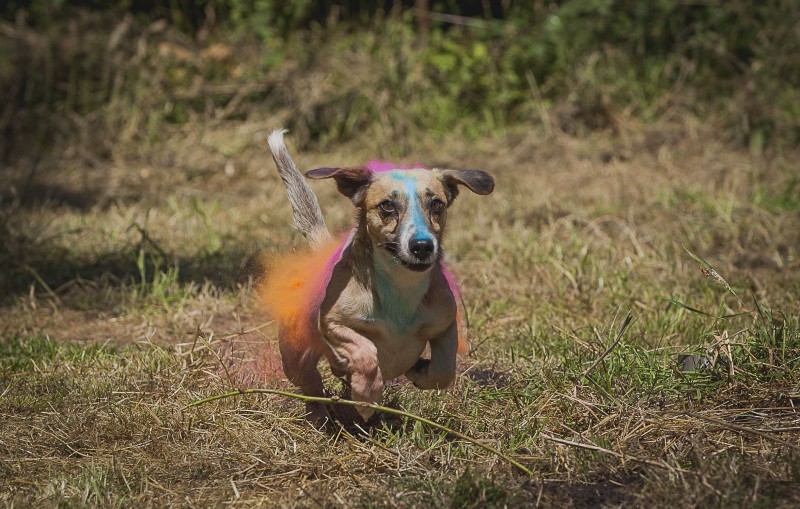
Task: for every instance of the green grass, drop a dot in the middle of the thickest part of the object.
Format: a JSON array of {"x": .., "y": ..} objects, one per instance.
[
  {"x": 139, "y": 199},
  {"x": 119, "y": 313},
  {"x": 108, "y": 427}
]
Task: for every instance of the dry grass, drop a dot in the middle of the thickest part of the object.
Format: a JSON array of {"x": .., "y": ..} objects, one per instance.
[{"x": 127, "y": 296}]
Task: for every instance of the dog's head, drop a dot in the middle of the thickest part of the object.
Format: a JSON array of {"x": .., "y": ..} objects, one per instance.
[{"x": 405, "y": 210}]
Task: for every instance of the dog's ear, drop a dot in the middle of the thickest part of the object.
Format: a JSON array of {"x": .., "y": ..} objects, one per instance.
[
  {"x": 351, "y": 182},
  {"x": 477, "y": 181}
]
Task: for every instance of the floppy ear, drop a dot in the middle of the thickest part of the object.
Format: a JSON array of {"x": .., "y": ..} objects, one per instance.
[
  {"x": 351, "y": 182},
  {"x": 477, "y": 181}
]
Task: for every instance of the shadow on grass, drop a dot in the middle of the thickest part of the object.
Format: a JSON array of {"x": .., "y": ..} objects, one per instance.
[
  {"x": 603, "y": 490},
  {"x": 32, "y": 195},
  {"x": 53, "y": 269}
]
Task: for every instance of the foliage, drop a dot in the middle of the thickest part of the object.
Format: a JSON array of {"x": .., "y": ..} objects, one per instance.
[{"x": 471, "y": 67}]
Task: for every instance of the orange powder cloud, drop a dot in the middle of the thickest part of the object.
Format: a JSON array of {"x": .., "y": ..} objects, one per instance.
[{"x": 293, "y": 288}]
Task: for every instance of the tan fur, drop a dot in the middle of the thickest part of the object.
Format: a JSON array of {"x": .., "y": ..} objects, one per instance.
[{"x": 387, "y": 298}]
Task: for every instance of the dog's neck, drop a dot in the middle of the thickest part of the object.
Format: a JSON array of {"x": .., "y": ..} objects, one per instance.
[{"x": 399, "y": 291}]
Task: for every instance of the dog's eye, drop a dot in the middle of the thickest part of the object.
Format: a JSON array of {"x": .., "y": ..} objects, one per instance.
[
  {"x": 387, "y": 207},
  {"x": 437, "y": 206}
]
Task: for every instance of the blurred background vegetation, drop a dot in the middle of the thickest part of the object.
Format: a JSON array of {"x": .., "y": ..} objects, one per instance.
[{"x": 113, "y": 76}]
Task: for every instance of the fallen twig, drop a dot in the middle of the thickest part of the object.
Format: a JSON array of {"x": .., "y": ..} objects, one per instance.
[{"x": 339, "y": 401}]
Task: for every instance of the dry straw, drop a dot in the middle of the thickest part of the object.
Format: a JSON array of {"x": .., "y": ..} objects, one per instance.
[{"x": 394, "y": 411}]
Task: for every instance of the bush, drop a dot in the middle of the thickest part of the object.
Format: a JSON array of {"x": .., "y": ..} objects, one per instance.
[{"x": 344, "y": 68}]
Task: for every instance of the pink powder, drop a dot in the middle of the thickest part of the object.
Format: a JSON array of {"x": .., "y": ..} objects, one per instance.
[
  {"x": 379, "y": 166},
  {"x": 294, "y": 287},
  {"x": 320, "y": 286},
  {"x": 451, "y": 281},
  {"x": 463, "y": 341}
]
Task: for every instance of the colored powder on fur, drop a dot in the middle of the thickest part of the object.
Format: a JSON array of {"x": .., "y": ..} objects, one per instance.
[
  {"x": 463, "y": 341},
  {"x": 379, "y": 166},
  {"x": 294, "y": 287}
]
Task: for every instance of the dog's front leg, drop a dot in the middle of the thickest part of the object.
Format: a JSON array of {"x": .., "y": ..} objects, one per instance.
[
  {"x": 439, "y": 371},
  {"x": 357, "y": 356}
]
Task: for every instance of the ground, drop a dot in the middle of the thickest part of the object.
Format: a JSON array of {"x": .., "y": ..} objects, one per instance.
[{"x": 596, "y": 263}]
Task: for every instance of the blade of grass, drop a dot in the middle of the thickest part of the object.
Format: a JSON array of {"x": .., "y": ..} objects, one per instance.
[
  {"x": 690, "y": 308},
  {"x": 613, "y": 345},
  {"x": 710, "y": 272},
  {"x": 698, "y": 311}
]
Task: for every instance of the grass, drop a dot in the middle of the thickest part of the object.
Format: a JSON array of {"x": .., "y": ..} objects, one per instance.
[{"x": 121, "y": 309}]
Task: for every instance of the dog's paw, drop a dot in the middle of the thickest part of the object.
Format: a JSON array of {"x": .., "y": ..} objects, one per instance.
[
  {"x": 419, "y": 371},
  {"x": 338, "y": 370},
  {"x": 424, "y": 377},
  {"x": 340, "y": 366}
]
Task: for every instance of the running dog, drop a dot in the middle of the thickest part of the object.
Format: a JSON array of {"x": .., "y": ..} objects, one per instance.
[{"x": 371, "y": 301}]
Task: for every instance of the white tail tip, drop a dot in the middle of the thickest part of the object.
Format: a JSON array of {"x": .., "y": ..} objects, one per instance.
[{"x": 275, "y": 140}]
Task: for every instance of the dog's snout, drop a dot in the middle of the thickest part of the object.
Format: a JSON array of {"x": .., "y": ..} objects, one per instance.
[{"x": 421, "y": 248}]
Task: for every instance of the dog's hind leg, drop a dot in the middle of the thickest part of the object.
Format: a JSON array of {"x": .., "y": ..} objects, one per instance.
[{"x": 300, "y": 367}]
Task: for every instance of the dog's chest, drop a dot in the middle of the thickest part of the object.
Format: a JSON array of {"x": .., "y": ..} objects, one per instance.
[
  {"x": 401, "y": 326},
  {"x": 398, "y": 345},
  {"x": 398, "y": 309},
  {"x": 387, "y": 315},
  {"x": 399, "y": 315}
]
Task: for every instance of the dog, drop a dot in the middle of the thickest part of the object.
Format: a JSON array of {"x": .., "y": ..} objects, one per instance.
[{"x": 371, "y": 301}]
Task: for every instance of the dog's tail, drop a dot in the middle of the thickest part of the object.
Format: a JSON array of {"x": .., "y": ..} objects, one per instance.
[{"x": 305, "y": 209}]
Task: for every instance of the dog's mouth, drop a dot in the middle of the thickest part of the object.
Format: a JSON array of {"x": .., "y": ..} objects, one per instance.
[
  {"x": 416, "y": 267},
  {"x": 413, "y": 266}
]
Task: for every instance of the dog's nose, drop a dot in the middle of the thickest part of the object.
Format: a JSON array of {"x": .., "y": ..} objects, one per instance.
[{"x": 421, "y": 248}]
